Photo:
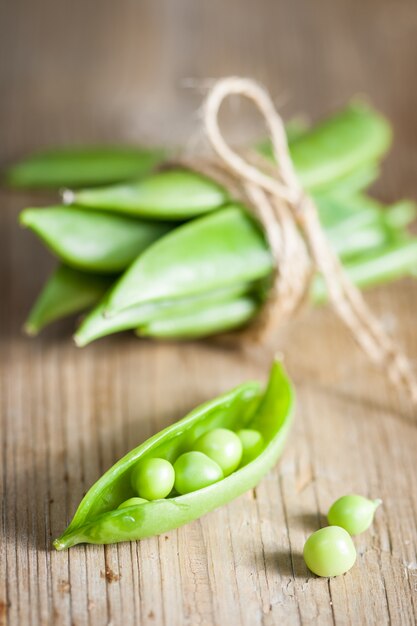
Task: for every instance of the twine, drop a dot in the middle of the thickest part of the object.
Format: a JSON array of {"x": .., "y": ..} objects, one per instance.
[{"x": 294, "y": 233}]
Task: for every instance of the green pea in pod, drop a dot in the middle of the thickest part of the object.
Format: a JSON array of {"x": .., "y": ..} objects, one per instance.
[{"x": 353, "y": 513}]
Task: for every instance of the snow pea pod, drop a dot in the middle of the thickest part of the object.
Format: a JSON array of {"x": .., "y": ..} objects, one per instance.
[
  {"x": 75, "y": 167},
  {"x": 341, "y": 144},
  {"x": 99, "y": 520},
  {"x": 173, "y": 194},
  {"x": 209, "y": 320},
  {"x": 360, "y": 224},
  {"x": 352, "y": 183},
  {"x": 334, "y": 210},
  {"x": 391, "y": 262},
  {"x": 341, "y": 150},
  {"x": 96, "y": 325},
  {"x": 215, "y": 251},
  {"x": 342, "y": 215},
  {"x": 92, "y": 240},
  {"x": 67, "y": 291},
  {"x": 360, "y": 242},
  {"x": 211, "y": 252}
]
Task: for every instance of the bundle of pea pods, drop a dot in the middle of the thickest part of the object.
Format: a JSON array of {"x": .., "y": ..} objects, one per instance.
[{"x": 169, "y": 253}]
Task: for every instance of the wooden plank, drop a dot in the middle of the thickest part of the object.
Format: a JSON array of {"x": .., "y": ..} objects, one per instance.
[{"x": 83, "y": 72}]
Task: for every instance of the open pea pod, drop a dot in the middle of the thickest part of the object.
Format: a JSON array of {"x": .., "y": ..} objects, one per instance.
[
  {"x": 66, "y": 291},
  {"x": 169, "y": 195},
  {"x": 77, "y": 167},
  {"x": 92, "y": 240},
  {"x": 99, "y": 521},
  {"x": 212, "y": 252}
]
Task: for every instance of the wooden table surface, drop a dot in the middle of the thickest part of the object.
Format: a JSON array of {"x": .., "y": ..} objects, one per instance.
[{"x": 104, "y": 71}]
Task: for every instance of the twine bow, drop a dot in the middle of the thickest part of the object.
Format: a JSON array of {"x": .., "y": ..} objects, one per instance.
[{"x": 294, "y": 233}]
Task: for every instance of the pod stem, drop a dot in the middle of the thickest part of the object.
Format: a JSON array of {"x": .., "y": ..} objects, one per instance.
[{"x": 65, "y": 542}]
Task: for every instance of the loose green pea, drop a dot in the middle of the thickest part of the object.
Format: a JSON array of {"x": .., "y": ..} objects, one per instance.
[
  {"x": 353, "y": 513},
  {"x": 223, "y": 446},
  {"x": 329, "y": 551},
  {"x": 153, "y": 479},
  {"x": 252, "y": 444},
  {"x": 195, "y": 470},
  {"x": 132, "y": 502}
]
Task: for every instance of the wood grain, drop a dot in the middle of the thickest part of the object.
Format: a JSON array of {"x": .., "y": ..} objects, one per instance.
[{"x": 100, "y": 71}]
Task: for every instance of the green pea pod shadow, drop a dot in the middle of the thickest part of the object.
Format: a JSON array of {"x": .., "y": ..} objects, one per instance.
[{"x": 98, "y": 521}]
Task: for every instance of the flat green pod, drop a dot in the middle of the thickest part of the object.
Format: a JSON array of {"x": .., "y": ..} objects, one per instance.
[
  {"x": 67, "y": 291},
  {"x": 226, "y": 247},
  {"x": 359, "y": 224},
  {"x": 96, "y": 324},
  {"x": 214, "y": 318},
  {"x": 346, "y": 215},
  {"x": 336, "y": 210},
  {"x": 91, "y": 240},
  {"x": 169, "y": 195},
  {"x": 351, "y": 139},
  {"x": 80, "y": 166},
  {"x": 341, "y": 152},
  {"x": 209, "y": 253},
  {"x": 98, "y": 519},
  {"x": 351, "y": 183},
  {"x": 380, "y": 266}
]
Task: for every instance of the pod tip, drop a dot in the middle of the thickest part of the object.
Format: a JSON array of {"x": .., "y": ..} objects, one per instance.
[
  {"x": 30, "y": 329},
  {"x": 24, "y": 218},
  {"x": 68, "y": 196},
  {"x": 58, "y": 544},
  {"x": 79, "y": 342}
]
